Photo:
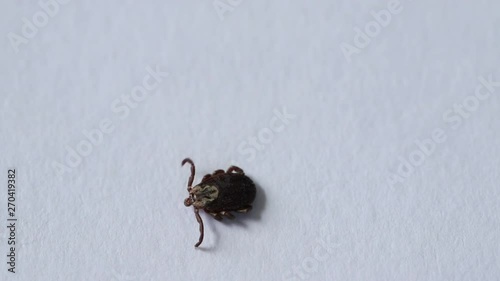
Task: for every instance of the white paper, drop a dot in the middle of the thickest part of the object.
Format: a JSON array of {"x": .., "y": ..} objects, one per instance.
[{"x": 270, "y": 86}]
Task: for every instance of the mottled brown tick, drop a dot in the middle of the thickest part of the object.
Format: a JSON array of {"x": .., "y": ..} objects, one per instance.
[{"x": 219, "y": 194}]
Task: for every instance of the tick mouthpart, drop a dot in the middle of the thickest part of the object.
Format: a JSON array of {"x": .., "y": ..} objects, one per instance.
[{"x": 188, "y": 201}]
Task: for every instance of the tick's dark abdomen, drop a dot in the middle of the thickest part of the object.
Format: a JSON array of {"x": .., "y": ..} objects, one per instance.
[{"x": 236, "y": 192}]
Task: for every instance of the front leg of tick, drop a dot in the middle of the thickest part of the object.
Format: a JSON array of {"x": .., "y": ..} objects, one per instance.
[{"x": 200, "y": 222}]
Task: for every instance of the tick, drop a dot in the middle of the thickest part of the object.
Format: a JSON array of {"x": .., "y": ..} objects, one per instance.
[{"x": 219, "y": 194}]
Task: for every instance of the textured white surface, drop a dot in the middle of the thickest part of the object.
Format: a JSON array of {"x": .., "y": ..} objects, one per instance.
[{"x": 323, "y": 179}]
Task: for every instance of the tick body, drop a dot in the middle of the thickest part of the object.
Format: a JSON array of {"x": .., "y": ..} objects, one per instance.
[{"x": 219, "y": 194}]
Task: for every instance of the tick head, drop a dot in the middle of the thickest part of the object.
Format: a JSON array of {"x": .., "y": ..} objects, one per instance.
[{"x": 201, "y": 195}]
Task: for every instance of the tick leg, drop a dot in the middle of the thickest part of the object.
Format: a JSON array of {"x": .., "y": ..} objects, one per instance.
[
  {"x": 235, "y": 169},
  {"x": 200, "y": 222},
  {"x": 216, "y": 216},
  {"x": 218, "y": 172},
  {"x": 227, "y": 214},
  {"x": 206, "y": 177},
  {"x": 245, "y": 210},
  {"x": 191, "y": 178}
]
